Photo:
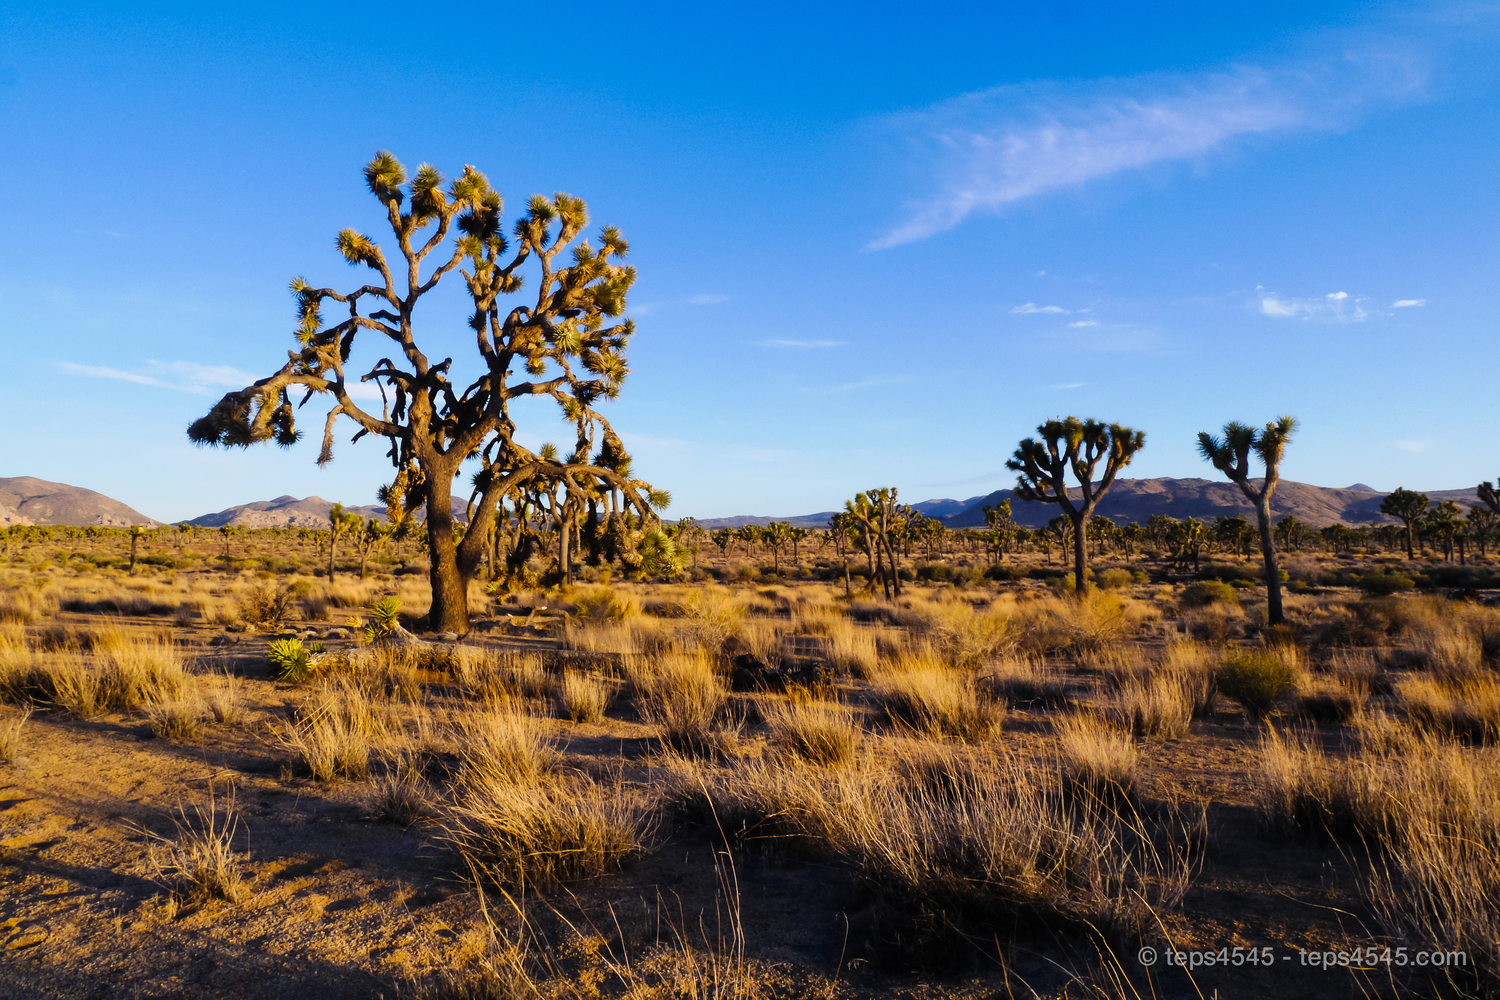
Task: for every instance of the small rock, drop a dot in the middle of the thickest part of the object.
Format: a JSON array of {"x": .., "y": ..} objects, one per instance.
[
  {"x": 237, "y": 627},
  {"x": 27, "y": 937},
  {"x": 336, "y": 633}
]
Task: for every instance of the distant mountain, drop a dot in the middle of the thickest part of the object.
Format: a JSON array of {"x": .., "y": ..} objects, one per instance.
[
  {"x": 1138, "y": 499},
  {"x": 24, "y": 500},
  {"x": 945, "y": 508},
  {"x": 740, "y": 520},
  {"x": 289, "y": 512}
]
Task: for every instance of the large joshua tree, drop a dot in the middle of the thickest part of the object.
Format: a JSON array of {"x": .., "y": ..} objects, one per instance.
[
  {"x": 566, "y": 336},
  {"x": 1231, "y": 456},
  {"x": 1077, "y": 446},
  {"x": 1408, "y": 506}
]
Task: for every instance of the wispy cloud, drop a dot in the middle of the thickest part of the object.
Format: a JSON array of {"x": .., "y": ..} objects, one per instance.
[
  {"x": 1070, "y": 385},
  {"x": 1076, "y": 324},
  {"x": 868, "y": 383},
  {"x": 191, "y": 377},
  {"x": 1408, "y": 303},
  {"x": 1031, "y": 309},
  {"x": 990, "y": 149},
  {"x": 1412, "y": 445},
  {"x": 182, "y": 376},
  {"x": 708, "y": 300},
  {"x": 1335, "y": 307},
  {"x": 800, "y": 343}
]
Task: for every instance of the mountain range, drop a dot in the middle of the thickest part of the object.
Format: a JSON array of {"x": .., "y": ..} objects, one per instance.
[{"x": 25, "y": 500}]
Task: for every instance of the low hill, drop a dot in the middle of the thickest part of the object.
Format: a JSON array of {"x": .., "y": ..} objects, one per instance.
[
  {"x": 1138, "y": 499},
  {"x": 289, "y": 512},
  {"x": 25, "y": 500},
  {"x": 819, "y": 520}
]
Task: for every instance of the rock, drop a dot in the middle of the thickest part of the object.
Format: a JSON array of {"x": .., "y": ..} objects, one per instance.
[
  {"x": 237, "y": 627},
  {"x": 224, "y": 640},
  {"x": 28, "y": 936},
  {"x": 336, "y": 633}
]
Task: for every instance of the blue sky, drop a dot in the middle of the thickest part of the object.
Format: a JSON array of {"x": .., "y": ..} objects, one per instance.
[{"x": 877, "y": 244}]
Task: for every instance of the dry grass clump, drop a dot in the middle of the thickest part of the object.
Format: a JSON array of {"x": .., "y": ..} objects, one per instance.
[
  {"x": 852, "y": 648},
  {"x": 512, "y": 820},
  {"x": 485, "y": 675},
  {"x": 199, "y": 863},
  {"x": 10, "y": 736},
  {"x": 817, "y": 732},
  {"x": 966, "y": 638},
  {"x": 400, "y": 793},
  {"x": 223, "y": 699},
  {"x": 1323, "y": 699},
  {"x": 1098, "y": 759},
  {"x": 335, "y": 734},
  {"x": 712, "y": 617},
  {"x": 179, "y": 718},
  {"x": 1161, "y": 705},
  {"x": 922, "y": 695},
  {"x": 1468, "y": 710},
  {"x": 963, "y": 833},
  {"x": 584, "y": 697},
  {"x": 503, "y": 742},
  {"x": 266, "y": 607},
  {"x": 1432, "y": 810},
  {"x": 682, "y": 696},
  {"x": 1026, "y": 682},
  {"x": 605, "y": 605}
]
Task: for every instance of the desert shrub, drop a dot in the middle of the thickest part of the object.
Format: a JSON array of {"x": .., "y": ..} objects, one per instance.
[
  {"x": 1382, "y": 583},
  {"x": 487, "y": 675},
  {"x": 1255, "y": 678},
  {"x": 290, "y": 660},
  {"x": 852, "y": 649},
  {"x": 820, "y": 733},
  {"x": 927, "y": 697},
  {"x": 333, "y": 735},
  {"x": 265, "y": 606},
  {"x": 1206, "y": 592},
  {"x": 1114, "y": 579},
  {"x": 584, "y": 698}
]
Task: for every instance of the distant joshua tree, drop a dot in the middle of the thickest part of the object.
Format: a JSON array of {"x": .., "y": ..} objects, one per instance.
[
  {"x": 1408, "y": 506},
  {"x": 1490, "y": 496},
  {"x": 1077, "y": 446},
  {"x": 1231, "y": 456}
]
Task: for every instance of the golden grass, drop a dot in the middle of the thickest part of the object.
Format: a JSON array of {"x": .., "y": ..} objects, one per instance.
[
  {"x": 1099, "y": 760},
  {"x": 485, "y": 675},
  {"x": 584, "y": 697},
  {"x": 199, "y": 863},
  {"x": 1466, "y": 710},
  {"x": 921, "y": 695},
  {"x": 11, "y": 729},
  {"x": 335, "y": 734},
  {"x": 819, "y": 732},
  {"x": 503, "y": 742},
  {"x": 1026, "y": 682},
  {"x": 682, "y": 696}
]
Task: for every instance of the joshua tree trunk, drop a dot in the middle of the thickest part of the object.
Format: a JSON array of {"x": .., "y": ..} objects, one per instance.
[
  {"x": 1268, "y": 553},
  {"x": 450, "y": 597},
  {"x": 1080, "y": 551}
]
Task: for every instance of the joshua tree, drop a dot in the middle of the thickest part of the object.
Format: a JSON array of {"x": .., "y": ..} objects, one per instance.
[
  {"x": 1481, "y": 522},
  {"x": 1407, "y": 506},
  {"x": 1490, "y": 496},
  {"x": 136, "y": 534},
  {"x": 997, "y": 518},
  {"x": 565, "y": 338},
  {"x": 1231, "y": 456},
  {"x": 340, "y": 524},
  {"x": 1076, "y": 445}
]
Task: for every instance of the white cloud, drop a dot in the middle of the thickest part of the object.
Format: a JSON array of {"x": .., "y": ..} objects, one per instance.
[
  {"x": 708, "y": 300},
  {"x": 1083, "y": 322},
  {"x": 1070, "y": 385},
  {"x": 800, "y": 343},
  {"x": 1412, "y": 445},
  {"x": 1031, "y": 308},
  {"x": 1000, "y": 146},
  {"x": 869, "y": 383},
  {"x": 1335, "y": 307},
  {"x": 1408, "y": 303},
  {"x": 182, "y": 376}
]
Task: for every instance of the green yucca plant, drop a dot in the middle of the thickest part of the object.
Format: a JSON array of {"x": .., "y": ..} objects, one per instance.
[
  {"x": 291, "y": 660},
  {"x": 385, "y": 618}
]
